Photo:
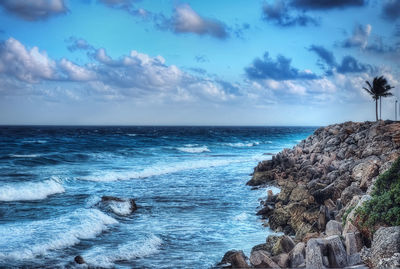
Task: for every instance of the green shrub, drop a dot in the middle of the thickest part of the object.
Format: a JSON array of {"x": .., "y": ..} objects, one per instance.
[{"x": 384, "y": 207}]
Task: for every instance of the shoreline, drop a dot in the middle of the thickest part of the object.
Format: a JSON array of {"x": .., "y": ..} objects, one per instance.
[{"x": 323, "y": 180}]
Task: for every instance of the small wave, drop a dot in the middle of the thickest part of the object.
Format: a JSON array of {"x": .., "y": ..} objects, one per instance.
[
  {"x": 131, "y": 134},
  {"x": 24, "y": 155},
  {"x": 241, "y": 217},
  {"x": 157, "y": 170},
  {"x": 27, "y": 240},
  {"x": 106, "y": 257},
  {"x": 30, "y": 190},
  {"x": 193, "y": 149},
  {"x": 35, "y": 141},
  {"x": 241, "y": 145}
]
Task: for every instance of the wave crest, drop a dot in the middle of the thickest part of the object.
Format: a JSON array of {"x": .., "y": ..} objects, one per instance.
[
  {"x": 193, "y": 149},
  {"x": 30, "y": 191}
]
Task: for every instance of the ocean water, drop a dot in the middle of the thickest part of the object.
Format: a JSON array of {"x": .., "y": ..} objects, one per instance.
[{"x": 188, "y": 183}]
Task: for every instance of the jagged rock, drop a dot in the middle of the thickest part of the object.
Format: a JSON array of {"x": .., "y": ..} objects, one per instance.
[
  {"x": 385, "y": 243},
  {"x": 354, "y": 259},
  {"x": 109, "y": 201},
  {"x": 392, "y": 262},
  {"x": 232, "y": 257},
  {"x": 296, "y": 256},
  {"x": 238, "y": 260},
  {"x": 265, "y": 247},
  {"x": 266, "y": 211},
  {"x": 365, "y": 171},
  {"x": 79, "y": 260},
  {"x": 336, "y": 252},
  {"x": 282, "y": 260},
  {"x": 333, "y": 227},
  {"x": 314, "y": 257},
  {"x": 349, "y": 193},
  {"x": 284, "y": 245},
  {"x": 261, "y": 259},
  {"x": 353, "y": 243}
]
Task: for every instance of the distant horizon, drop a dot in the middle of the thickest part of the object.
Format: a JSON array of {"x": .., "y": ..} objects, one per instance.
[{"x": 124, "y": 62}]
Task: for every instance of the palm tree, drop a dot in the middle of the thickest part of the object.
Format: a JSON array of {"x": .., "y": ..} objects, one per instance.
[{"x": 379, "y": 88}]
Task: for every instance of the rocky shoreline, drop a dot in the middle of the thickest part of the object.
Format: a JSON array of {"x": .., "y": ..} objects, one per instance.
[{"x": 323, "y": 181}]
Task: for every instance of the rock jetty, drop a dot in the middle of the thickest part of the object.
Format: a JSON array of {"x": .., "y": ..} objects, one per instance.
[{"x": 323, "y": 180}]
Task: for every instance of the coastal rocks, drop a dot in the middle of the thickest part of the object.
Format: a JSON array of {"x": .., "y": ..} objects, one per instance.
[
  {"x": 234, "y": 259},
  {"x": 314, "y": 257},
  {"x": 385, "y": 245},
  {"x": 296, "y": 256},
  {"x": 261, "y": 259},
  {"x": 119, "y": 206},
  {"x": 79, "y": 260},
  {"x": 333, "y": 227}
]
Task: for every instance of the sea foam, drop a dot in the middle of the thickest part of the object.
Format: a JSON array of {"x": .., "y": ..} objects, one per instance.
[
  {"x": 30, "y": 190},
  {"x": 106, "y": 257},
  {"x": 190, "y": 149},
  {"x": 242, "y": 145},
  {"x": 157, "y": 170},
  {"x": 26, "y": 240}
]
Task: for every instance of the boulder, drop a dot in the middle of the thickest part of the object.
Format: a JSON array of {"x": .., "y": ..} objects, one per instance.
[
  {"x": 261, "y": 259},
  {"x": 349, "y": 192},
  {"x": 79, "y": 259},
  {"x": 284, "y": 245},
  {"x": 353, "y": 243},
  {"x": 385, "y": 243},
  {"x": 314, "y": 257},
  {"x": 333, "y": 227},
  {"x": 119, "y": 206},
  {"x": 238, "y": 260},
  {"x": 227, "y": 256},
  {"x": 296, "y": 256},
  {"x": 282, "y": 260},
  {"x": 365, "y": 171},
  {"x": 336, "y": 252}
]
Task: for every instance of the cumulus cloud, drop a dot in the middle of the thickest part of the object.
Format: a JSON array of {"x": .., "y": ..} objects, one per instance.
[
  {"x": 32, "y": 10},
  {"x": 391, "y": 9},
  {"x": 28, "y": 65},
  {"x": 135, "y": 74},
  {"x": 359, "y": 39},
  {"x": 349, "y": 64},
  {"x": 279, "y": 69},
  {"x": 186, "y": 20},
  {"x": 127, "y": 5},
  {"x": 78, "y": 44},
  {"x": 279, "y": 13},
  {"x": 327, "y": 4}
]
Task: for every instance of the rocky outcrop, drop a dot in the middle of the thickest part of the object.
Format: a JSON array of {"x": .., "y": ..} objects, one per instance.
[
  {"x": 385, "y": 249},
  {"x": 323, "y": 181},
  {"x": 321, "y": 175},
  {"x": 234, "y": 259},
  {"x": 119, "y": 206}
]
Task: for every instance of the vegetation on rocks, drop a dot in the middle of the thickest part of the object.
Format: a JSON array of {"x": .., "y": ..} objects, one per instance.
[{"x": 384, "y": 207}]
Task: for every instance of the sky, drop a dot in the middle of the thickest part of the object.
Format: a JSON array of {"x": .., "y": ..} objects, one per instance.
[{"x": 170, "y": 62}]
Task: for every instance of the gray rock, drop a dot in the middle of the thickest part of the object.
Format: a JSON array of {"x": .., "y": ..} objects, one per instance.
[
  {"x": 354, "y": 259},
  {"x": 336, "y": 252},
  {"x": 261, "y": 259},
  {"x": 353, "y": 243},
  {"x": 296, "y": 256},
  {"x": 282, "y": 260},
  {"x": 238, "y": 260},
  {"x": 385, "y": 243},
  {"x": 392, "y": 262},
  {"x": 229, "y": 255},
  {"x": 333, "y": 227},
  {"x": 314, "y": 254}
]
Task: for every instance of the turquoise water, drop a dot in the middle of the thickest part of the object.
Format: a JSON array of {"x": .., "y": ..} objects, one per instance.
[{"x": 188, "y": 183}]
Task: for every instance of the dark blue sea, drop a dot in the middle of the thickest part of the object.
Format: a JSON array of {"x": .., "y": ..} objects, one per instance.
[{"x": 188, "y": 184}]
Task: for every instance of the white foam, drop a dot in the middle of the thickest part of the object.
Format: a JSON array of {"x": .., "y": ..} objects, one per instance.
[
  {"x": 131, "y": 134},
  {"x": 30, "y": 190},
  {"x": 157, "y": 170},
  {"x": 241, "y": 217},
  {"x": 121, "y": 208},
  {"x": 26, "y": 240},
  {"x": 35, "y": 141},
  {"x": 193, "y": 149},
  {"x": 24, "y": 155},
  {"x": 242, "y": 145},
  {"x": 106, "y": 257}
]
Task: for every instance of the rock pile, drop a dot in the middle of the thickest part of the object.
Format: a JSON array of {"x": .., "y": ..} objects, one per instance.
[{"x": 323, "y": 180}]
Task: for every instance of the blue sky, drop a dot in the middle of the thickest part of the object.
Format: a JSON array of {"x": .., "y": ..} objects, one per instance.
[{"x": 164, "y": 62}]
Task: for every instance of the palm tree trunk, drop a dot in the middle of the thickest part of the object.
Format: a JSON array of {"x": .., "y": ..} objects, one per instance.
[
  {"x": 380, "y": 107},
  {"x": 376, "y": 109}
]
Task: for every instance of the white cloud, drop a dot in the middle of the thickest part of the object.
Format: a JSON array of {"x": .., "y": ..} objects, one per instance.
[{"x": 32, "y": 10}]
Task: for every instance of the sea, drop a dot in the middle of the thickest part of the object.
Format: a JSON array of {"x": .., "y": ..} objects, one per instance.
[{"x": 189, "y": 184}]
